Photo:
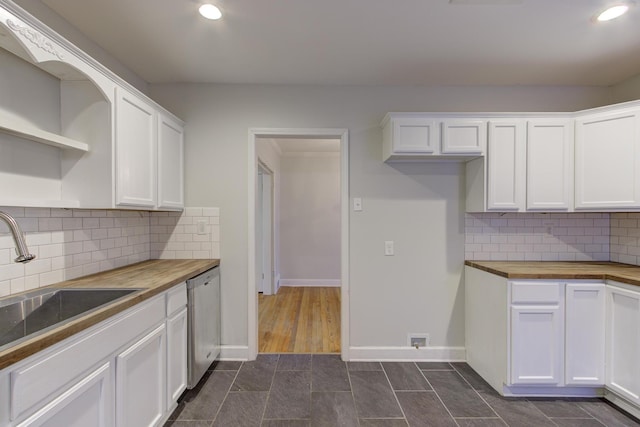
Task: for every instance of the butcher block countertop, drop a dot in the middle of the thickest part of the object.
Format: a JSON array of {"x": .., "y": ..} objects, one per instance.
[
  {"x": 624, "y": 273},
  {"x": 153, "y": 277}
]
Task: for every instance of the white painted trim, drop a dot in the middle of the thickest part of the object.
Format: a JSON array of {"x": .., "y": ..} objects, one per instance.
[
  {"x": 408, "y": 354},
  {"x": 308, "y": 283},
  {"x": 537, "y": 391},
  {"x": 234, "y": 352},
  {"x": 622, "y": 403},
  {"x": 311, "y": 154},
  {"x": 252, "y": 294}
]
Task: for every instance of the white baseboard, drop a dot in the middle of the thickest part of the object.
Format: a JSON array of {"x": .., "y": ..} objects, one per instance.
[
  {"x": 541, "y": 391},
  {"x": 328, "y": 283},
  {"x": 407, "y": 354},
  {"x": 622, "y": 403},
  {"x": 234, "y": 352}
]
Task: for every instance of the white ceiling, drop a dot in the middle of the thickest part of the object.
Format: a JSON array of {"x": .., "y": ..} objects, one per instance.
[{"x": 364, "y": 42}]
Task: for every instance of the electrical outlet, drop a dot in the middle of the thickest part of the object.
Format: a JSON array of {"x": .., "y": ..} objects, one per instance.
[
  {"x": 388, "y": 248},
  {"x": 418, "y": 340},
  {"x": 201, "y": 226}
]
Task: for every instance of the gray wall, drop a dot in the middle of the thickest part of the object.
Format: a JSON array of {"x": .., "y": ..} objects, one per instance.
[
  {"x": 310, "y": 217},
  {"x": 418, "y": 206}
]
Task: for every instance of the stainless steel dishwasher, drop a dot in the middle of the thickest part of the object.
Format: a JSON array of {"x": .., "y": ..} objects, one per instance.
[{"x": 203, "y": 296}]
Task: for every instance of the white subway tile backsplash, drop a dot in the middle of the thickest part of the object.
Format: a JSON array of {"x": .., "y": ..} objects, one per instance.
[
  {"x": 537, "y": 237},
  {"x": 174, "y": 235}
]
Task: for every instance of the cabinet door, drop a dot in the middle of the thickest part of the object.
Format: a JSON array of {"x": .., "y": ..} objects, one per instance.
[
  {"x": 623, "y": 342},
  {"x": 584, "y": 334},
  {"x": 135, "y": 151},
  {"x": 140, "y": 381},
  {"x": 536, "y": 344},
  {"x": 87, "y": 403},
  {"x": 608, "y": 161},
  {"x": 176, "y": 356},
  {"x": 464, "y": 136},
  {"x": 550, "y": 164},
  {"x": 506, "y": 166},
  {"x": 414, "y": 135},
  {"x": 170, "y": 163}
]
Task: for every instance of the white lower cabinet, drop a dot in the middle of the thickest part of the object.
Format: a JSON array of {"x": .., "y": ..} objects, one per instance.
[
  {"x": 623, "y": 342},
  {"x": 537, "y": 343},
  {"x": 585, "y": 334},
  {"x": 140, "y": 381},
  {"x": 537, "y": 333},
  {"x": 536, "y": 337},
  {"x": 87, "y": 403},
  {"x": 128, "y": 370},
  {"x": 176, "y": 356}
]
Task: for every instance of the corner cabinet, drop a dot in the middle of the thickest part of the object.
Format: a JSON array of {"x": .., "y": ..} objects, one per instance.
[
  {"x": 80, "y": 137},
  {"x": 623, "y": 344},
  {"x": 608, "y": 160}
]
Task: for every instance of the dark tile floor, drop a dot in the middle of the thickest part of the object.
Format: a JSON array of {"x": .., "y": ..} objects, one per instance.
[{"x": 296, "y": 390}]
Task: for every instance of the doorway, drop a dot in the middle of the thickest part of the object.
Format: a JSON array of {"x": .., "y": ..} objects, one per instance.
[
  {"x": 257, "y": 256},
  {"x": 264, "y": 230}
]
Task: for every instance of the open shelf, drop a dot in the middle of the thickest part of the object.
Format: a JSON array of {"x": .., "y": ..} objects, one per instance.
[{"x": 41, "y": 136}]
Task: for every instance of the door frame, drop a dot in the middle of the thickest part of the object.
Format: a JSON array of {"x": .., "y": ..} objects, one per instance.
[
  {"x": 252, "y": 293},
  {"x": 268, "y": 241}
]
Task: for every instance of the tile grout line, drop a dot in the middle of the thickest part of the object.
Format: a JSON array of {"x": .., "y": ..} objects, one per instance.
[
  {"x": 479, "y": 395},
  {"x": 346, "y": 365},
  {"x": 226, "y": 394},
  {"x": 394, "y": 392},
  {"x": 436, "y": 393},
  {"x": 266, "y": 403}
]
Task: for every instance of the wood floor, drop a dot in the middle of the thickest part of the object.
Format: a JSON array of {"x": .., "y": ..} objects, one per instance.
[{"x": 299, "y": 320}]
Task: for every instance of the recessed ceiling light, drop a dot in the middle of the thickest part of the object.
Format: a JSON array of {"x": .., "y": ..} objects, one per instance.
[
  {"x": 613, "y": 12},
  {"x": 209, "y": 11}
]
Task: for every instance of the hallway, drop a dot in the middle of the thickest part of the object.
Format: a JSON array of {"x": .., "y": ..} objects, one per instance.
[{"x": 299, "y": 320}]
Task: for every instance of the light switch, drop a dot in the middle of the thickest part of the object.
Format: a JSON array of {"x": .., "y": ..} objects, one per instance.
[
  {"x": 357, "y": 204},
  {"x": 388, "y": 248}
]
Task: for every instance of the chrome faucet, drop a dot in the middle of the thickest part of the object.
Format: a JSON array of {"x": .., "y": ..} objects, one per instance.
[{"x": 18, "y": 237}]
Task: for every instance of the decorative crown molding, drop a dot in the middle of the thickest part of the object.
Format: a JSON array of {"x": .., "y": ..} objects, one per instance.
[{"x": 35, "y": 37}]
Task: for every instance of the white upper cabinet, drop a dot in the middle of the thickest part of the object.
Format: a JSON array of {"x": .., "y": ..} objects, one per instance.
[
  {"x": 550, "y": 164},
  {"x": 506, "y": 165},
  {"x": 413, "y": 136},
  {"x": 430, "y": 137},
  {"x": 461, "y": 136},
  {"x": 135, "y": 151},
  {"x": 608, "y": 160},
  {"x": 170, "y": 163},
  {"x": 72, "y": 134}
]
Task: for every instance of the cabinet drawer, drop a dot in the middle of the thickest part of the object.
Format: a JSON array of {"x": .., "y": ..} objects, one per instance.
[
  {"x": 176, "y": 298},
  {"x": 45, "y": 376},
  {"x": 535, "y": 293}
]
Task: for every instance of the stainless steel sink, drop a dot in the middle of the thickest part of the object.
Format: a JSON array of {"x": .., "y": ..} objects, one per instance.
[{"x": 25, "y": 315}]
